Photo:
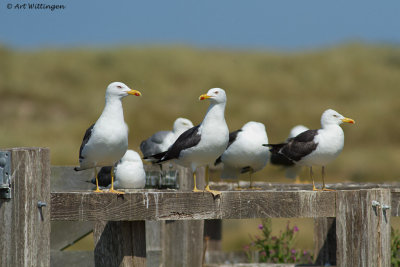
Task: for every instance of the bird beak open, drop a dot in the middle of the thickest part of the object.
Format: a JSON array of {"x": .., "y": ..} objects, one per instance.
[
  {"x": 348, "y": 120},
  {"x": 134, "y": 92},
  {"x": 205, "y": 96}
]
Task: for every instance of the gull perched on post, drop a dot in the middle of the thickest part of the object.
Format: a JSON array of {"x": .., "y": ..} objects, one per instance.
[
  {"x": 315, "y": 147},
  {"x": 106, "y": 141},
  {"x": 204, "y": 143}
]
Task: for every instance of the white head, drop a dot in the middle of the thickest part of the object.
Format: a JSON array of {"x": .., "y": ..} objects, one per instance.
[
  {"x": 181, "y": 125},
  {"x": 120, "y": 90},
  {"x": 254, "y": 126},
  {"x": 296, "y": 130},
  {"x": 216, "y": 95},
  {"x": 330, "y": 117},
  {"x": 131, "y": 156}
]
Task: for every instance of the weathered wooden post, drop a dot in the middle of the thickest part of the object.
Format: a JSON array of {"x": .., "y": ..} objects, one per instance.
[
  {"x": 25, "y": 207},
  {"x": 363, "y": 227},
  {"x": 120, "y": 243},
  {"x": 183, "y": 240}
]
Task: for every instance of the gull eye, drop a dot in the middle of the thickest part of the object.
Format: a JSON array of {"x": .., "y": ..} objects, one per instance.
[
  {"x": 335, "y": 116},
  {"x": 119, "y": 86},
  {"x": 216, "y": 92}
]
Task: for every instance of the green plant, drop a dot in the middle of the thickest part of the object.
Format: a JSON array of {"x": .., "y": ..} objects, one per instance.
[
  {"x": 395, "y": 247},
  {"x": 276, "y": 249}
]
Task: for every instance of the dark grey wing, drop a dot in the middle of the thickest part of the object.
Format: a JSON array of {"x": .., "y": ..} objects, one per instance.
[
  {"x": 86, "y": 138},
  {"x": 187, "y": 139},
  {"x": 151, "y": 145},
  {"x": 279, "y": 159},
  {"x": 300, "y": 146},
  {"x": 232, "y": 137}
]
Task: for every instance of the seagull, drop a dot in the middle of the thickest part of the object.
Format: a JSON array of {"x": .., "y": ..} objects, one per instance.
[
  {"x": 291, "y": 169},
  {"x": 316, "y": 147},
  {"x": 245, "y": 152},
  {"x": 161, "y": 141},
  {"x": 106, "y": 141},
  {"x": 129, "y": 173},
  {"x": 202, "y": 144}
]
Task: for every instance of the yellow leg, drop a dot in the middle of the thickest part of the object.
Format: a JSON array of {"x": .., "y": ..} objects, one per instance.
[
  {"x": 313, "y": 183},
  {"x": 214, "y": 192},
  {"x": 195, "y": 187},
  {"x": 97, "y": 182},
  {"x": 323, "y": 181},
  {"x": 238, "y": 187},
  {"x": 251, "y": 181},
  {"x": 112, "y": 190}
]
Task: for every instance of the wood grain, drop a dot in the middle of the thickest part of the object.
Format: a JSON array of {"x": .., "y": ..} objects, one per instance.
[
  {"x": 363, "y": 231},
  {"x": 24, "y": 228},
  {"x": 183, "y": 205},
  {"x": 120, "y": 243}
]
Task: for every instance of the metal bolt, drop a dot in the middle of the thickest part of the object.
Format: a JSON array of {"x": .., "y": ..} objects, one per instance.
[
  {"x": 375, "y": 203},
  {"x": 385, "y": 207},
  {"x": 41, "y": 204}
]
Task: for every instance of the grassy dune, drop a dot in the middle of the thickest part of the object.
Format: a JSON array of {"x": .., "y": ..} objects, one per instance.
[{"x": 49, "y": 98}]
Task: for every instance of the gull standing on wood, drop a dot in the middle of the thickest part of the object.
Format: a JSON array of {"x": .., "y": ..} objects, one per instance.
[
  {"x": 204, "y": 143},
  {"x": 245, "y": 152},
  {"x": 316, "y": 147},
  {"x": 129, "y": 173},
  {"x": 106, "y": 141},
  {"x": 162, "y": 140},
  {"x": 291, "y": 169}
]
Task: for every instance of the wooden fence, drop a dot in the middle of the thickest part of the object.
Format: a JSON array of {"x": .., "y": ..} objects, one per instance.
[{"x": 166, "y": 227}]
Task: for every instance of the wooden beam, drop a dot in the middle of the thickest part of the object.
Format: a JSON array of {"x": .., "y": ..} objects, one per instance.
[
  {"x": 183, "y": 240},
  {"x": 120, "y": 243},
  {"x": 362, "y": 229},
  {"x": 183, "y": 205},
  {"x": 24, "y": 227}
]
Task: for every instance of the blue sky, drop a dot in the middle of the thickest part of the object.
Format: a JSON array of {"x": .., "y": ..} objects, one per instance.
[{"x": 261, "y": 24}]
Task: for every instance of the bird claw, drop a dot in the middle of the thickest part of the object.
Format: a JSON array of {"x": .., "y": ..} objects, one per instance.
[
  {"x": 254, "y": 188},
  {"x": 116, "y": 192},
  {"x": 213, "y": 192},
  {"x": 196, "y": 190},
  {"x": 98, "y": 191},
  {"x": 327, "y": 189}
]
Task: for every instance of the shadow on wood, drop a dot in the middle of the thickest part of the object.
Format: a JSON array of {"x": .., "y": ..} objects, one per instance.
[
  {"x": 325, "y": 241},
  {"x": 120, "y": 243}
]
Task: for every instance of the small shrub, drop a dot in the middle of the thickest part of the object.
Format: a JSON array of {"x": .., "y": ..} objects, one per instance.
[{"x": 276, "y": 249}]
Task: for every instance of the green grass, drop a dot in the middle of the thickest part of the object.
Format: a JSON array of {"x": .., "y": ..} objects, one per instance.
[{"x": 48, "y": 98}]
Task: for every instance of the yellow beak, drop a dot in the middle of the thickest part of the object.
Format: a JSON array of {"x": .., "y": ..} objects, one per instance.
[
  {"x": 205, "y": 96},
  {"x": 348, "y": 120},
  {"x": 134, "y": 92}
]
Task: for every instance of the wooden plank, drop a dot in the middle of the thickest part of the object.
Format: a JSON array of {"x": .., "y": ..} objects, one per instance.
[
  {"x": 66, "y": 233},
  {"x": 25, "y": 228},
  {"x": 363, "y": 231},
  {"x": 225, "y": 186},
  {"x": 183, "y": 240},
  {"x": 71, "y": 258},
  {"x": 325, "y": 241},
  {"x": 120, "y": 243},
  {"x": 183, "y": 205},
  {"x": 154, "y": 241}
]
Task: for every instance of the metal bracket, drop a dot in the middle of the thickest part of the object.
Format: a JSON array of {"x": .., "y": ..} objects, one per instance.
[{"x": 5, "y": 175}]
